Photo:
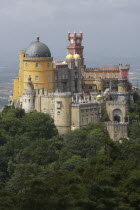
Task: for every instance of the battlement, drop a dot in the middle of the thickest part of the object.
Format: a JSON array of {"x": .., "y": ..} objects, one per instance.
[
  {"x": 112, "y": 123},
  {"x": 102, "y": 69},
  {"x": 126, "y": 67},
  {"x": 119, "y": 94},
  {"x": 44, "y": 92},
  {"x": 116, "y": 102},
  {"x": 80, "y": 99},
  {"x": 55, "y": 94},
  {"x": 75, "y": 35},
  {"x": 82, "y": 104}
]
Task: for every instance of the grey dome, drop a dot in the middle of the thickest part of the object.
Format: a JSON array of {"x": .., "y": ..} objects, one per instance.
[{"x": 37, "y": 49}]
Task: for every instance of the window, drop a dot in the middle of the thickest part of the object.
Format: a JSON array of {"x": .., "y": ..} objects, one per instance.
[
  {"x": 72, "y": 40},
  {"x": 58, "y": 113},
  {"x": 26, "y": 65},
  {"x": 37, "y": 65},
  {"x": 45, "y": 110},
  {"x": 52, "y": 110},
  {"x": 94, "y": 75},
  {"x": 59, "y": 103},
  {"x": 116, "y": 75},
  {"x": 78, "y": 41},
  {"x": 36, "y": 85},
  {"x": 108, "y": 75},
  {"x": 87, "y": 75},
  {"x": 52, "y": 101},
  {"x": 36, "y": 78},
  {"x": 48, "y": 65}
]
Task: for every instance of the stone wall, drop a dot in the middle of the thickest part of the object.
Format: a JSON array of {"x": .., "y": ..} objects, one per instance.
[{"x": 117, "y": 130}]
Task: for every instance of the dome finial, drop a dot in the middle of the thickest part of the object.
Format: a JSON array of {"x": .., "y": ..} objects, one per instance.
[{"x": 37, "y": 38}]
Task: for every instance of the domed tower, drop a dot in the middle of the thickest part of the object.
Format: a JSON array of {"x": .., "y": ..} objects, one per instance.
[
  {"x": 28, "y": 97},
  {"x": 35, "y": 62},
  {"x": 78, "y": 60},
  {"x": 70, "y": 61}
]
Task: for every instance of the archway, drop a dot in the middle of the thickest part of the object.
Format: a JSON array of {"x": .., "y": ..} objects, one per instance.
[
  {"x": 117, "y": 115},
  {"x": 117, "y": 118}
]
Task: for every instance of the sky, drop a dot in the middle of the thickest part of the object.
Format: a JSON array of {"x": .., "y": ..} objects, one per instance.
[{"x": 111, "y": 28}]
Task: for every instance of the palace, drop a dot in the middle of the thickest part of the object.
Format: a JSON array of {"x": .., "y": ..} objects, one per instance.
[{"x": 71, "y": 93}]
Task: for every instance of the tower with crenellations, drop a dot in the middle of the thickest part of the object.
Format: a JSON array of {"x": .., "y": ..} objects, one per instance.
[{"x": 75, "y": 45}]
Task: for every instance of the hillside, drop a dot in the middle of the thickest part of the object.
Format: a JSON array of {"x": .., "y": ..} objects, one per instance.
[{"x": 84, "y": 170}]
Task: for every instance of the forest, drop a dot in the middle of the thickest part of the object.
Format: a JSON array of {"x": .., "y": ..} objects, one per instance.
[{"x": 84, "y": 170}]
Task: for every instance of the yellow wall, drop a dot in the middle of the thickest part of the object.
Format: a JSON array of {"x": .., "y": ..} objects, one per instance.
[
  {"x": 21, "y": 86},
  {"x": 42, "y": 75},
  {"x": 93, "y": 79},
  {"x": 122, "y": 87},
  {"x": 15, "y": 91}
]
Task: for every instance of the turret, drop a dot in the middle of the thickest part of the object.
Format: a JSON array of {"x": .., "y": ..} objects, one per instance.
[
  {"x": 124, "y": 71},
  {"x": 28, "y": 97},
  {"x": 123, "y": 78}
]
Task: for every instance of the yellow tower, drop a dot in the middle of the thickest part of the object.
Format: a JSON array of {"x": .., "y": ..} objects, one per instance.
[{"x": 36, "y": 62}]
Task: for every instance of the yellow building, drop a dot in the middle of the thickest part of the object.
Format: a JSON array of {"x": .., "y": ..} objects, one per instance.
[
  {"x": 99, "y": 79},
  {"x": 35, "y": 62}
]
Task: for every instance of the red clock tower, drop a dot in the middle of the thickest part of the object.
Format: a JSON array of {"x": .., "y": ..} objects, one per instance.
[{"x": 75, "y": 45}]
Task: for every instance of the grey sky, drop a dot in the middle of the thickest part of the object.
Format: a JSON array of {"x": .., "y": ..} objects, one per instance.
[{"x": 110, "y": 27}]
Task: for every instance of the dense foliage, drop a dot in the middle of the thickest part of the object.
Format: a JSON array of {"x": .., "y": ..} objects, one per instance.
[{"x": 85, "y": 170}]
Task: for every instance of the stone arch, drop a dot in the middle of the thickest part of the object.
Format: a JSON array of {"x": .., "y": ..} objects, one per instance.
[{"x": 117, "y": 115}]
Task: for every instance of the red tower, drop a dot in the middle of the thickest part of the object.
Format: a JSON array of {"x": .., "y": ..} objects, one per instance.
[
  {"x": 75, "y": 45},
  {"x": 124, "y": 71}
]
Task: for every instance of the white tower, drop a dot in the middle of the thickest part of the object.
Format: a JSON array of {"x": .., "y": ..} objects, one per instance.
[{"x": 28, "y": 97}]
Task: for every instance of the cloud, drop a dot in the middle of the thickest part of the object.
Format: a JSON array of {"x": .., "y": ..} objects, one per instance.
[{"x": 107, "y": 24}]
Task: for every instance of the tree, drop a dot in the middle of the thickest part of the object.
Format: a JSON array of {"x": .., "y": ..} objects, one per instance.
[
  {"x": 38, "y": 125},
  {"x": 90, "y": 141}
]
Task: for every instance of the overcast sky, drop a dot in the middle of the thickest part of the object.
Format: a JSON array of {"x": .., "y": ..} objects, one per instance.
[{"x": 110, "y": 27}]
